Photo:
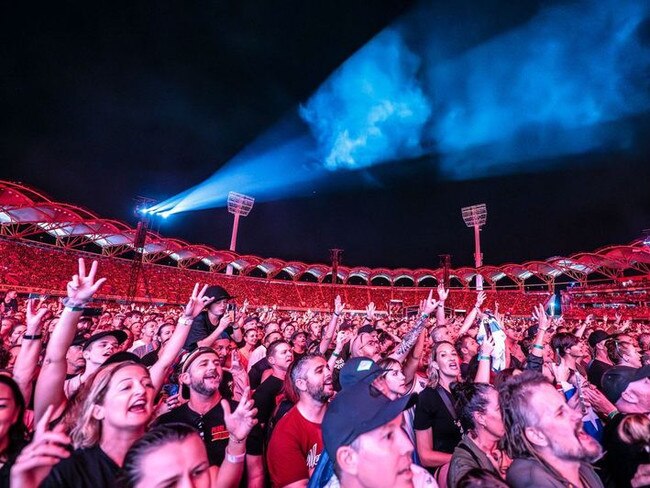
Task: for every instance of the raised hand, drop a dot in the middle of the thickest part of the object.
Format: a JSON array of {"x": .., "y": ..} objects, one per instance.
[
  {"x": 197, "y": 302},
  {"x": 480, "y": 298},
  {"x": 539, "y": 314},
  {"x": 429, "y": 304},
  {"x": 370, "y": 311},
  {"x": 37, "y": 458},
  {"x": 34, "y": 318},
  {"x": 487, "y": 346},
  {"x": 83, "y": 286},
  {"x": 339, "y": 306},
  {"x": 342, "y": 337},
  {"x": 442, "y": 293},
  {"x": 240, "y": 422}
]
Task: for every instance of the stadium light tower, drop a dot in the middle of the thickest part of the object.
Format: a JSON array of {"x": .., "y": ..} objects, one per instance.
[
  {"x": 240, "y": 206},
  {"x": 476, "y": 216}
]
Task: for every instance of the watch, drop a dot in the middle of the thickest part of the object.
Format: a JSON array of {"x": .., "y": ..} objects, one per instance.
[{"x": 185, "y": 321}]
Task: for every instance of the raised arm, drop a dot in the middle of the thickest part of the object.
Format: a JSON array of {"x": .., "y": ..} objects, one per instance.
[
  {"x": 30, "y": 349},
  {"x": 442, "y": 297},
  {"x": 427, "y": 306},
  {"x": 473, "y": 313},
  {"x": 484, "y": 361},
  {"x": 49, "y": 385},
  {"x": 328, "y": 335},
  {"x": 194, "y": 306}
]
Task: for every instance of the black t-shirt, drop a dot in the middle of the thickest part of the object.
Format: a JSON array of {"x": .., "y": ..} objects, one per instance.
[
  {"x": 211, "y": 427},
  {"x": 256, "y": 372},
  {"x": 621, "y": 460},
  {"x": 200, "y": 329},
  {"x": 265, "y": 397},
  {"x": 595, "y": 372},
  {"x": 85, "y": 468},
  {"x": 432, "y": 413},
  {"x": 5, "y": 470}
]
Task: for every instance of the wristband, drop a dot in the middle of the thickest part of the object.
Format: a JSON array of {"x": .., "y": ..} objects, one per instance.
[
  {"x": 537, "y": 346},
  {"x": 235, "y": 440},
  {"x": 32, "y": 337},
  {"x": 235, "y": 458},
  {"x": 483, "y": 358},
  {"x": 612, "y": 414},
  {"x": 335, "y": 354},
  {"x": 424, "y": 316},
  {"x": 74, "y": 306}
]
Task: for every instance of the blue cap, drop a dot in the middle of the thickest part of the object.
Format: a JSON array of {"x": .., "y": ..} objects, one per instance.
[
  {"x": 355, "y": 410},
  {"x": 357, "y": 370}
]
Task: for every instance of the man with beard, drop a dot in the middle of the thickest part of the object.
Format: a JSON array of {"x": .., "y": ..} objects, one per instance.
[
  {"x": 545, "y": 437},
  {"x": 74, "y": 358},
  {"x": 296, "y": 442},
  {"x": 200, "y": 377}
]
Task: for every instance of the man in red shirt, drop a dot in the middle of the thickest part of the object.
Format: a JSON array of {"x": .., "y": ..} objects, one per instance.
[{"x": 296, "y": 442}]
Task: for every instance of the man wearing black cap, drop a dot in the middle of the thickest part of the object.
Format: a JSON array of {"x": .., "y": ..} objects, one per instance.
[
  {"x": 600, "y": 361},
  {"x": 629, "y": 390},
  {"x": 200, "y": 378},
  {"x": 365, "y": 442},
  {"x": 213, "y": 321},
  {"x": 74, "y": 358},
  {"x": 97, "y": 349}
]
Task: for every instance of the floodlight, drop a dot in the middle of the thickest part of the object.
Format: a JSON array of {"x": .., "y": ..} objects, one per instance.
[{"x": 475, "y": 216}]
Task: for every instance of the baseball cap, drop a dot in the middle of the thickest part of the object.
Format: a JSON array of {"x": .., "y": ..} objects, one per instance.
[
  {"x": 186, "y": 363},
  {"x": 120, "y": 335},
  {"x": 217, "y": 293},
  {"x": 367, "y": 329},
  {"x": 597, "y": 336},
  {"x": 122, "y": 356},
  {"x": 356, "y": 410},
  {"x": 615, "y": 380},
  {"x": 358, "y": 370}
]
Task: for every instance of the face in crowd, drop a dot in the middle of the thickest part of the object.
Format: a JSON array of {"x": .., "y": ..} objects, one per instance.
[
  {"x": 9, "y": 410},
  {"x": 380, "y": 458},
  {"x": 558, "y": 428},
  {"x": 204, "y": 374},
  {"x": 74, "y": 356},
  {"x": 136, "y": 329},
  {"x": 128, "y": 402},
  {"x": 445, "y": 359},
  {"x": 316, "y": 380},
  {"x": 250, "y": 338},
  {"x": 99, "y": 351},
  {"x": 218, "y": 308},
  {"x": 282, "y": 357},
  {"x": 149, "y": 329},
  {"x": 165, "y": 333},
  {"x": 394, "y": 380}
]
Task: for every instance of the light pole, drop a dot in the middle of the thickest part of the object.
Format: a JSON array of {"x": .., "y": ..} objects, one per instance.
[
  {"x": 240, "y": 206},
  {"x": 476, "y": 216}
]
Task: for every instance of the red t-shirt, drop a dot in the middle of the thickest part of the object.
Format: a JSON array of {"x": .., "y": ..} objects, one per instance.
[{"x": 294, "y": 449}]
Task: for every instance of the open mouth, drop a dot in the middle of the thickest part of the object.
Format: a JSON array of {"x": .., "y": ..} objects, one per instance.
[{"x": 139, "y": 406}]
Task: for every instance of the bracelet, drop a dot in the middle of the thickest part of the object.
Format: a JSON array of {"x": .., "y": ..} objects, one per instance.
[
  {"x": 483, "y": 358},
  {"x": 337, "y": 314},
  {"x": 538, "y": 346},
  {"x": 74, "y": 306},
  {"x": 32, "y": 337},
  {"x": 235, "y": 440},
  {"x": 424, "y": 316},
  {"x": 335, "y": 354},
  {"x": 612, "y": 414},
  {"x": 235, "y": 458}
]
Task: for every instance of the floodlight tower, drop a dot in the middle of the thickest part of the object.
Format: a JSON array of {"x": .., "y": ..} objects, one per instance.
[
  {"x": 240, "y": 206},
  {"x": 476, "y": 216}
]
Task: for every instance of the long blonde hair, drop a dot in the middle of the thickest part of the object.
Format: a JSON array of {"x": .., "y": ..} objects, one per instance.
[
  {"x": 433, "y": 372},
  {"x": 87, "y": 430}
]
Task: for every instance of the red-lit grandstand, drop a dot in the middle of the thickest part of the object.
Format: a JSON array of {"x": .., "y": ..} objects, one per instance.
[{"x": 41, "y": 240}]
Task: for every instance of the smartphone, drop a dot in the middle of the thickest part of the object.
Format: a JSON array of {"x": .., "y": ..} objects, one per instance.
[
  {"x": 170, "y": 389},
  {"x": 231, "y": 307},
  {"x": 92, "y": 312}
]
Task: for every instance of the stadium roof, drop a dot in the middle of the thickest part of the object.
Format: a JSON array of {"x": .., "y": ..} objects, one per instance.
[{"x": 26, "y": 212}]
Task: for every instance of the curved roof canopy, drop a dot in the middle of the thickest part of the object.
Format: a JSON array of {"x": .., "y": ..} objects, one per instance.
[{"x": 25, "y": 212}]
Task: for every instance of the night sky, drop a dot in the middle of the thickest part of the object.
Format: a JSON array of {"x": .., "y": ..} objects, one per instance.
[{"x": 104, "y": 102}]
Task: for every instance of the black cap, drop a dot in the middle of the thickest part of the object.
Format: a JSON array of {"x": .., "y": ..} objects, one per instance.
[
  {"x": 217, "y": 293},
  {"x": 122, "y": 356},
  {"x": 120, "y": 335},
  {"x": 597, "y": 336},
  {"x": 615, "y": 380},
  {"x": 78, "y": 340},
  {"x": 367, "y": 329},
  {"x": 356, "y": 410},
  {"x": 187, "y": 361}
]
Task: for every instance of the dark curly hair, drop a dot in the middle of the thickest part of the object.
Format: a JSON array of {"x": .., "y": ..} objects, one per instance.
[{"x": 470, "y": 399}]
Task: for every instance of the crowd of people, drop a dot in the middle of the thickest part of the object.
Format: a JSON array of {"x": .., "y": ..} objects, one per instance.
[
  {"x": 222, "y": 393},
  {"x": 170, "y": 284}
]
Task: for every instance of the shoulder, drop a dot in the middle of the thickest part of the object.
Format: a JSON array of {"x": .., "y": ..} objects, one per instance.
[
  {"x": 528, "y": 472},
  {"x": 422, "y": 478},
  {"x": 181, "y": 414}
]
